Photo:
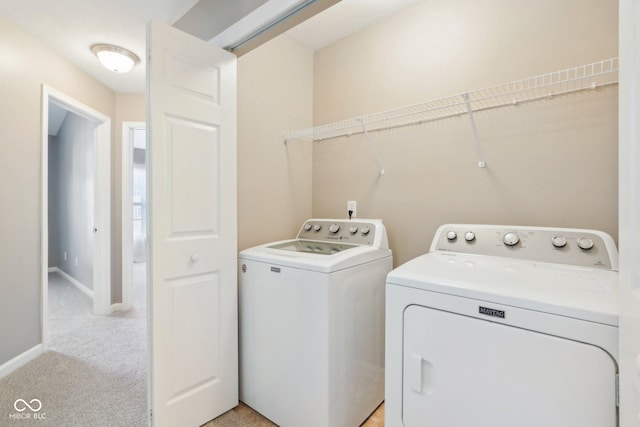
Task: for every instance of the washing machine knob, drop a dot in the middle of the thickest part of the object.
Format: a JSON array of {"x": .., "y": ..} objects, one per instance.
[
  {"x": 452, "y": 235},
  {"x": 469, "y": 236},
  {"x": 317, "y": 227},
  {"x": 559, "y": 241},
  {"x": 510, "y": 238},
  {"x": 308, "y": 226},
  {"x": 334, "y": 228},
  {"x": 585, "y": 243},
  {"x": 365, "y": 230},
  {"x": 353, "y": 229}
]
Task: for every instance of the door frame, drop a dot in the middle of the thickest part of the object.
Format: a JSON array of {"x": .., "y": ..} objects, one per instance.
[
  {"x": 101, "y": 203},
  {"x": 629, "y": 210},
  {"x": 127, "y": 214}
]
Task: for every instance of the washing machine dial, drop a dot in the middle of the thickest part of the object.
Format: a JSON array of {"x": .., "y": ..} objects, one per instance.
[
  {"x": 334, "y": 228},
  {"x": 510, "y": 238},
  {"x": 308, "y": 226},
  {"x": 559, "y": 241},
  {"x": 469, "y": 236},
  {"x": 317, "y": 227},
  {"x": 585, "y": 243},
  {"x": 353, "y": 229},
  {"x": 365, "y": 230},
  {"x": 452, "y": 235}
]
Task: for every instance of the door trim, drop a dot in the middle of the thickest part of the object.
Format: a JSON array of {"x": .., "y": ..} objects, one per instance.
[
  {"x": 127, "y": 215},
  {"x": 102, "y": 203}
]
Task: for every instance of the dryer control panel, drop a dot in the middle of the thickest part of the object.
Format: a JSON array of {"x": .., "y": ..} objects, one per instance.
[
  {"x": 356, "y": 232},
  {"x": 585, "y": 248}
]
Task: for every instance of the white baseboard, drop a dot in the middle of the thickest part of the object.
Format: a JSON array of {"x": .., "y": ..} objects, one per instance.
[
  {"x": 20, "y": 360},
  {"x": 74, "y": 281},
  {"x": 53, "y": 269}
]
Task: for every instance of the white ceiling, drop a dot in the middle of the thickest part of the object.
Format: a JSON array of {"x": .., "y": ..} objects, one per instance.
[
  {"x": 343, "y": 19},
  {"x": 71, "y": 27}
]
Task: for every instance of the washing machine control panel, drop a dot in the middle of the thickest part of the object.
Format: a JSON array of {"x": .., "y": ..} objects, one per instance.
[
  {"x": 356, "y": 232},
  {"x": 585, "y": 248}
]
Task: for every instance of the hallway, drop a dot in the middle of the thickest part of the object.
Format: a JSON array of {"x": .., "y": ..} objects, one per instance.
[{"x": 94, "y": 373}]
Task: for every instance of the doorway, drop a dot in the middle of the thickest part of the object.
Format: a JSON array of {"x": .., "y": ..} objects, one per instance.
[
  {"x": 100, "y": 204},
  {"x": 134, "y": 208},
  {"x": 71, "y": 193}
]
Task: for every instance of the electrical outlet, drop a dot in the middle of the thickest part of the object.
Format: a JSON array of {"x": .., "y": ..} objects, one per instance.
[
  {"x": 65, "y": 255},
  {"x": 351, "y": 207},
  {"x": 76, "y": 261}
]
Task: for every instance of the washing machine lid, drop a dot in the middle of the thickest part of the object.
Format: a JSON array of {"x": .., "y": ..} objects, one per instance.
[
  {"x": 324, "y": 257},
  {"x": 312, "y": 247},
  {"x": 326, "y": 245},
  {"x": 577, "y": 292}
]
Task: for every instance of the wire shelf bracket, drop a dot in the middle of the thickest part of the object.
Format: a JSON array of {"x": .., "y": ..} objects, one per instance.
[
  {"x": 474, "y": 130},
  {"x": 373, "y": 147},
  {"x": 544, "y": 86}
]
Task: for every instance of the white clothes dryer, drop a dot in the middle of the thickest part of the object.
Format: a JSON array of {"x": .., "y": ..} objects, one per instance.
[
  {"x": 311, "y": 321},
  {"x": 502, "y": 326}
]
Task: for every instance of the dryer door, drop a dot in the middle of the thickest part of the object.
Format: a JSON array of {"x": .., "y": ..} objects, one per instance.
[{"x": 460, "y": 371}]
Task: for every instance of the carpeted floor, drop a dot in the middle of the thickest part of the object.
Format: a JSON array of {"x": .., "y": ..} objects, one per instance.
[{"x": 95, "y": 372}]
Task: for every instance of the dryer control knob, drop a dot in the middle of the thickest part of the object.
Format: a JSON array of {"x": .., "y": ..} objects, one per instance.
[
  {"x": 365, "y": 230},
  {"x": 585, "y": 243},
  {"x": 334, "y": 228},
  {"x": 511, "y": 238},
  {"x": 353, "y": 229},
  {"x": 452, "y": 235},
  {"x": 307, "y": 226},
  {"x": 317, "y": 227},
  {"x": 469, "y": 236},
  {"x": 559, "y": 241}
]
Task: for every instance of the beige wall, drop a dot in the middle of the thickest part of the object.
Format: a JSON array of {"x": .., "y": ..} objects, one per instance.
[
  {"x": 26, "y": 64},
  {"x": 550, "y": 162},
  {"x": 275, "y": 89},
  {"x": 129, "y": 108}
]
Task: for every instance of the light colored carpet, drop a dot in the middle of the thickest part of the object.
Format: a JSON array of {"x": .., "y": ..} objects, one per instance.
[{"x": 95, "y": 372}]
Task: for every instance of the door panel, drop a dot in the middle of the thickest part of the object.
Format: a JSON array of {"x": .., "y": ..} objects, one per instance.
[
  {"x": 193, "y": 345},
  {"x": 192, "y": 223},
  {"x": 193, "y": 170}
]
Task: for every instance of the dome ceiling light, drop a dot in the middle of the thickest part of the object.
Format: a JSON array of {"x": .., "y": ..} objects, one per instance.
[{"x": 114, "y": 58}]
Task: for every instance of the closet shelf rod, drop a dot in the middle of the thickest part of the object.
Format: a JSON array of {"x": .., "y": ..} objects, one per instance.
[{"x": 588, "y": 76}]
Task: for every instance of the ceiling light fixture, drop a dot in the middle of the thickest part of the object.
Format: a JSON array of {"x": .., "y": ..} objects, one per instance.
[{"x": 114, "y": 58}]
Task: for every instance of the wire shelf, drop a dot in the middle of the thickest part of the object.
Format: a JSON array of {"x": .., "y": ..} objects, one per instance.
[{"x": 584, "y": 77}]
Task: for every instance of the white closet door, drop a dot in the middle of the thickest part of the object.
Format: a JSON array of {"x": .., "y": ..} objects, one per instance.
[{"x": 192, "y": 222}]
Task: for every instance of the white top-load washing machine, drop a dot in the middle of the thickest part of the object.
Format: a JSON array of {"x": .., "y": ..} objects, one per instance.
[
  {"x": 311, "y": 320},
  {"x": 504, "y": 326}
]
